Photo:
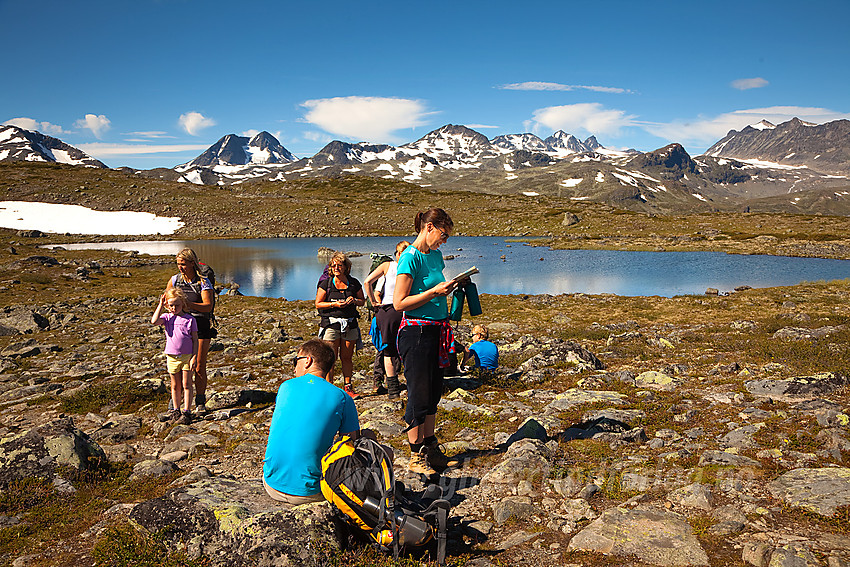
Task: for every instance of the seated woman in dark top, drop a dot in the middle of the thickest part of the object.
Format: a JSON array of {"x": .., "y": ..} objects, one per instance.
[{"x": 337, "y": 298}]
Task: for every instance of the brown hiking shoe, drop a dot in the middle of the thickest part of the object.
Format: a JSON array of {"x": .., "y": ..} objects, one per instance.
[
  {"x": 438, "y": 459},
  {"x": 419, "y": 463},
  {"x": 185, "y": 418}
]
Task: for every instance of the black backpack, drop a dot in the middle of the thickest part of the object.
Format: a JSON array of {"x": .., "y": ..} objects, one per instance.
[{"x": 358, "y": 480}]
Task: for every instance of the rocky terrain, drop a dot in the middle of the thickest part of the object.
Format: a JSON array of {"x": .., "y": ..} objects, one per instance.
[{"x": 695, "y": 430}]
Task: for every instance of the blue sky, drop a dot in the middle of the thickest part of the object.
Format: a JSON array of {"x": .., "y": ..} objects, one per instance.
[{"x": 152, "y": 83}]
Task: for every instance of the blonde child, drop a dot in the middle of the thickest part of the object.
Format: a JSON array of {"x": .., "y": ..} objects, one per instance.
[{"x": 181, "y": 348}]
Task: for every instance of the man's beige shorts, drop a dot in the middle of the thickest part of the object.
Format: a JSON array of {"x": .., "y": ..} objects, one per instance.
[{"x": 177, "y": 362}]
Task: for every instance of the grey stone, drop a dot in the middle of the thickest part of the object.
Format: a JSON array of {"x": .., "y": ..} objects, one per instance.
[
  {"x": 153, "y": 468},
  {"x": 527, "y": 459},
  {"x": 41, "y": 450},
  {"x": 802, "y": 334},
  {"x": 821, "y": 490},
  {"x": 726, "y": 459},
  {"x": 693, "y": 496},
  {"x": 741, "y": 437},
  {"x": 191, "y": 443},
  {"x": 654, "y": 536},
  {"x": 517, "y": 507},
  {"x": 656, "y": 381},
  {"x": 792, "y": 556},
  {"x": 516, "y": 539},
  {"x": 231, "y": 398},
  {"x": 561, "y": 352},
  {"x": 757, "y": 554},
  {"x": 235, "y": 523},
  {"x": 118, "y": 429},
  {"x": 797, "y": 388},
  {"x": 23, "y": 320}
]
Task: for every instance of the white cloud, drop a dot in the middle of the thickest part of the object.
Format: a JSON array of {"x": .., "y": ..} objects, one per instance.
[
  {"x": 194, "y": 122},
  {"x": 589, "y": 117},
  {"x": 480, "y": 126},
  {"x": 744, "y": 84},
  {"x": 363, "y": 118},
  {"x": 544, "y": 86},
  {"x": 150, "y": 134},
  {"x": 97, "y": 124},
  {"x": 103, "y": 150},
  {"x": 703, "y": 130},
  {"x": 31, "y": 124}
]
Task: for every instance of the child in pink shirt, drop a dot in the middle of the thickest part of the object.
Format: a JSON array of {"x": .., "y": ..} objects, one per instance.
[{"x": 181, "y": 348}]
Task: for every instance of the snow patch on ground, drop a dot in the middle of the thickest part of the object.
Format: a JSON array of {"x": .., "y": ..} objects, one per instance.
[
  {"x": 531, "y": 193},
  {"x": 770, "y": 164},
  {"x": 51, "y": 217},
  {"x": 571, "y": 182}
]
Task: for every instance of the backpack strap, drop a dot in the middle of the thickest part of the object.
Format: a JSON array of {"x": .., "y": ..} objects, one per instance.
[{"x": 442, "y": 534}]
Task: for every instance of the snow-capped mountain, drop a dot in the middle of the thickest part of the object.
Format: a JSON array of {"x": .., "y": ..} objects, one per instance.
[
  {"x": 513, "y": 142},
  {"x": 562, "y": 143},
  {"x": 233, "y": 150},
  {"x": 820, "y": 147},
  {"x": 453, "y": 147},
  {"x": 17, "y": 144}
]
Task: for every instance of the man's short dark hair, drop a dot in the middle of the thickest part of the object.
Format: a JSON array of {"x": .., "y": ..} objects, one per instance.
[{"x": 322, "y": 353}]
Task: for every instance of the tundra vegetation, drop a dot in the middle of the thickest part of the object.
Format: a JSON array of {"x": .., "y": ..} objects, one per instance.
[{"x": 722, "y": 397}]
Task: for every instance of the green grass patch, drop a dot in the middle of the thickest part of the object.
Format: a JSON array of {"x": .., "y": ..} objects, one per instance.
[
  {"x": 118, "y": 395},
  {"x": 123, "y": 546}
]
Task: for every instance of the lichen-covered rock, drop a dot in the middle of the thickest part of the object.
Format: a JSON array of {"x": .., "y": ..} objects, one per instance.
[
  {"x": 656, "y": 381},
  {"x": 576, "y": 396},
  {"x": 235, "y": 523},
  {"x": 821, "y": 490},
  {"x": 41, "y": 450},
  {"x": 654, "y": 536},
  {"x": 799, "y": 387}
]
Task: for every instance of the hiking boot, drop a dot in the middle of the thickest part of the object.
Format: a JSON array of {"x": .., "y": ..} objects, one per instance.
[
  {"x": 349, "y": 389},
  {"x": 419, "y": 463},
  {"x": 438, "y": 459},
  {"x": 201, "y": 410},
  {"x": 379, "y": 390},
  {"x": 185, "y": 418},
  {"x": 393, "y": 388}
]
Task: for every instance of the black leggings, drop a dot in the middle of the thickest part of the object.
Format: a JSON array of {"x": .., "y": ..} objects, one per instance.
[{"x": 419, "y": 346}]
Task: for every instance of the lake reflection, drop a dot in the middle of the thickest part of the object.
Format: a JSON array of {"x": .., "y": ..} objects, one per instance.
[{"x": 290, "y": 267}]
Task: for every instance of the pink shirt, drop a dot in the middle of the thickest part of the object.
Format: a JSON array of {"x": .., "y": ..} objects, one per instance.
[{"x": 178, "y": 333}]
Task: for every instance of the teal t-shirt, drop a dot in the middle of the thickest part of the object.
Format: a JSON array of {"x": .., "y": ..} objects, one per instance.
[
  {"x": 426, "y": 271},
  {"x": 308, "y": 413}
]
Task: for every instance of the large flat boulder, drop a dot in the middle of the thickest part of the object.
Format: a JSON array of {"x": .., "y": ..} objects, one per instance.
[
  {"x": 652, "y": 535},
  {"x": 235, "y": 523},
  {"x": 821, "y": 490}
]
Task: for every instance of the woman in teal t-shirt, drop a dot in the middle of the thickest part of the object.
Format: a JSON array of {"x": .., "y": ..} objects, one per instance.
[{"x": 425, "y": 337}]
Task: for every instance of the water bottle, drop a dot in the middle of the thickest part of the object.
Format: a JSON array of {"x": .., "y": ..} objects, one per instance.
[{"x": 412, "y": 531}]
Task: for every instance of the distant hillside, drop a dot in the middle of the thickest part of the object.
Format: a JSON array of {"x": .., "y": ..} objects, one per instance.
[
  {"x": 17, "y": 144},
  {"x": 821, "y": 147}
]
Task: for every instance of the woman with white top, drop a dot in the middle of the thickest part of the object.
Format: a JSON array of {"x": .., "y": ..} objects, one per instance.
[{"x": 388, "y": 319}]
